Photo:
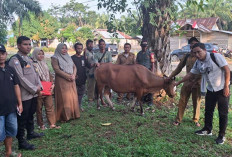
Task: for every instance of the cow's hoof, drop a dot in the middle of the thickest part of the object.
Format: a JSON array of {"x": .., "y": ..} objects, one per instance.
[
  {"x": 98, "y": 108},
  {"x": 113, "y": 108},
  {"x": 133, "y": 109},
  {"x": 142, "y": 114}
]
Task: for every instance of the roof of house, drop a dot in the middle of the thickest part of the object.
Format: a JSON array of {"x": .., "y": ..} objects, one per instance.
[
  {"x": 222, "y": 31},
  {"x": 204, "y": 24},
  {"x": 107, "y": 35}
]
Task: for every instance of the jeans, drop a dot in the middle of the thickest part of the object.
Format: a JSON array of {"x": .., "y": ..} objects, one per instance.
[{"x": 8, "y": 126}]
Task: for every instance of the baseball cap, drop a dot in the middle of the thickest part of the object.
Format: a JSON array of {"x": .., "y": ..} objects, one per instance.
[
  {"x": 2, "y": 48},
  {"x": 143, "y": 43}
]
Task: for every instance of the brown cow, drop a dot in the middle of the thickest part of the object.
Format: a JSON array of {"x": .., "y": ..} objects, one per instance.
[{"x": 130, "y": 79}]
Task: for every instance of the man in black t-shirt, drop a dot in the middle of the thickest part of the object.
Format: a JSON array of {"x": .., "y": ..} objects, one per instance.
[
  {"x": 81, "y": 63},
  {"x": 10, "y": 99}
]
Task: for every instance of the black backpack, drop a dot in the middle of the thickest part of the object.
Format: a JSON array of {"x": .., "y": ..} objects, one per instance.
[
  {"x": 21, "y": 61},
  {"x": 214, "y": 60}
]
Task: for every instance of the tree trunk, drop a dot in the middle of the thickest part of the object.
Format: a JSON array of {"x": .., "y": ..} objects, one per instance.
[{"x": 156, "y": 27}]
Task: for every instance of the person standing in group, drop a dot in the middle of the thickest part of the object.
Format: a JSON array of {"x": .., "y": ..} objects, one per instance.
[
  {"x": 143, "y": 58},
  {"x": 125, "y": 58},
  {"x": 10, "y": 100},
  {"x": 102, "y": 56},
  {"x": 81, "y": 64},
  {"x": 67, "y": 107},
  {"x": 30, "y": 87},
  {"x": 89, "y": 54},
  {"x": 46, "y": 100},
  {"x": 215, "y": 71},
  {"x": 190, "y": 87}
]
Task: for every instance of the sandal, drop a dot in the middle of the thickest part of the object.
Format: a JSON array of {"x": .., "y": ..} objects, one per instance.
[
  {"x": 43, "y": 127},
  {"x": 176, "y": 123},
  {"x": 54, "y": 127},
  {"x": 197, "y": 124}
]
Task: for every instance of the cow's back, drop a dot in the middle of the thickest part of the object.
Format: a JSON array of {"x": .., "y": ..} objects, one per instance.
[{"x": 123, "y": 78}]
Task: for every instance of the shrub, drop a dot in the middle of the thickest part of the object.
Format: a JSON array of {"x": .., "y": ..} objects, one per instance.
[
  {"x": 51, "y": 49},
  {"x": 45, "y": 49}
]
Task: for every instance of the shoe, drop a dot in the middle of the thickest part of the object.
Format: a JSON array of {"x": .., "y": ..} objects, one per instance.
[
  {"x": 203, "y": 132},
  {"x": 25, "y": 145},
  {"x": 34, "y": 135},
  {"x": 220, "y": 139}
]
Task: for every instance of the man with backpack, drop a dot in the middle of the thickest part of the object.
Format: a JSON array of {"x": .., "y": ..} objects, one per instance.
[
  {"x": 30, "y": 87},
  {"x": 191, "y": 86},
  {"x": 215, "y": 71}
]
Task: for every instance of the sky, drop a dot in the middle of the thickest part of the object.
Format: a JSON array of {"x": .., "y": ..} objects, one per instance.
[
  {"x": 45, "y": 4},
  {"x": 92, "y": 4}
]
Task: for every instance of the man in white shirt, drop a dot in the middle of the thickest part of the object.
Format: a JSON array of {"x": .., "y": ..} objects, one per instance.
[{"x": 216, "y": 73}]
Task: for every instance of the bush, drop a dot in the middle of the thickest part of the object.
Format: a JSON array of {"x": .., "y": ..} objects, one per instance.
[
  {"x": 51, "y": 49},
  {"x": 12, "y": 41},
  {"x": 45, "y": 49}
]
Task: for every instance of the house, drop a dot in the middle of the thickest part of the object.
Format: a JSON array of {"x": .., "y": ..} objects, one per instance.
[
  {"x": 121, "y": 39},
  {"x": 207, "y": 30}
]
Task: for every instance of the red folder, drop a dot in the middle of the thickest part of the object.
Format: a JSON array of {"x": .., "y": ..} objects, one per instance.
[{"x": 46, "y": 88}]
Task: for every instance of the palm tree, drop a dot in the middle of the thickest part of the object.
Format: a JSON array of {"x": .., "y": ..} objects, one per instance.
[
  {"x": 19, "y": 7},
  {"x": 212, "y": 8}
]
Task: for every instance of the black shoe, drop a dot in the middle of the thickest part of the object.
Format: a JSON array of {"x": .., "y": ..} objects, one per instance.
[
  {"x": 203, "y": 132},
  {"x": 25, "y": 145},
  {"x": 220, "y": 139},
  {"x": 34, "y": 135}
]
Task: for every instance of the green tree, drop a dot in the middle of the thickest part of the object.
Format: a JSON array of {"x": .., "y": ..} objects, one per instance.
[
  {"x": 156, "y": 17},
  {"x": 83, "y": 34},
  {"x": 3, "y": 32},
  {"x": 44, "y": 26},
  {"x": 130, "y": 24},
  {"x": 101, "y": 21},
  {"x": 212, "y": 8},
  {"x": 8, "y": 8},
  {"x": 68, "y": 33}
]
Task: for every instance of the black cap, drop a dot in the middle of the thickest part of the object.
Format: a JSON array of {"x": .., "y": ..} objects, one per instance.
[{"x": 2, "y": 48}]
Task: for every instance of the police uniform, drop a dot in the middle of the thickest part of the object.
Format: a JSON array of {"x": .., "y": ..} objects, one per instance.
[{"x": 29, "y": 82}]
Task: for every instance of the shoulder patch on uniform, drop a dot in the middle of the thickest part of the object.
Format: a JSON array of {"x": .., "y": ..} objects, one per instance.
[{"x": 16, "y": 62}]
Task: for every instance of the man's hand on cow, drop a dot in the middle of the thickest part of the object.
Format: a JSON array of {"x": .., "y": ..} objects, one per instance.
[{"x": 97, "y": 64}]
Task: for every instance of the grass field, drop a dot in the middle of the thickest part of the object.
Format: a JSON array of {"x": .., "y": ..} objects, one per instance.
[{"x": 130, "y": 135}]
